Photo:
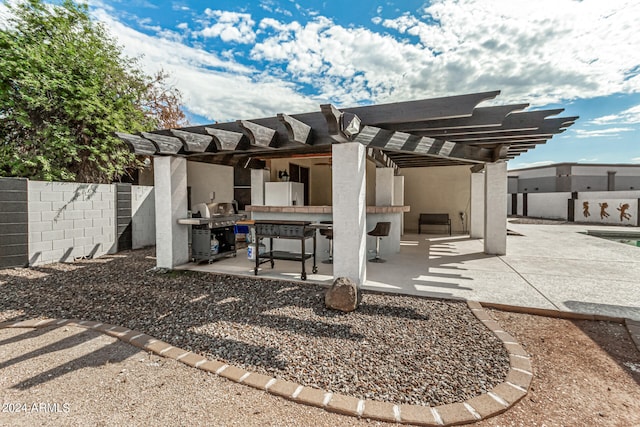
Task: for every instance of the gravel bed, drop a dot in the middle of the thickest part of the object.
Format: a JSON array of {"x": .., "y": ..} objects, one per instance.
[{"x": 394, "y": 348}]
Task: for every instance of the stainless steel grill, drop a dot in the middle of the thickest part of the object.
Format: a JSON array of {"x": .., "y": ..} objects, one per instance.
[
  {"x": 216, "y": 214},
  {"x": 213, "y": 222}
]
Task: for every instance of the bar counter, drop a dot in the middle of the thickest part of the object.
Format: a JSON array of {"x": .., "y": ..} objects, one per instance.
[{"x": 323, "y": 209}]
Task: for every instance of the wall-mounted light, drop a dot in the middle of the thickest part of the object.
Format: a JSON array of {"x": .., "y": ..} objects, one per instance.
[{"x": 283, "y": 175}]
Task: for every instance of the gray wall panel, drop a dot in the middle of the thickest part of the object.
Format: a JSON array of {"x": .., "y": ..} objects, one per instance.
[{"x": 14, "y": 223}]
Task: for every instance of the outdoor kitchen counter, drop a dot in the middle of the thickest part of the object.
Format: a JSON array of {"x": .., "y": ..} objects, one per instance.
[
  {"x": 323, "y": 209},
  {"x": 315, "y": 214}
]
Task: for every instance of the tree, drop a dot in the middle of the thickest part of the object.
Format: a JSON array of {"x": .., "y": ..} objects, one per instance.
[{"x": 65, "y": 88}]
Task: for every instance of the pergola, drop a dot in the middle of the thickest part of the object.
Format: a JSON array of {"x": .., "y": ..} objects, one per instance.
[
  {"x": 429, "y": 132},
  {"x": 444, "y": 131}
]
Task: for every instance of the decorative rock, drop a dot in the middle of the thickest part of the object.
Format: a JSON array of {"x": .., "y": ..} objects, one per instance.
[{"x": 343, "y": 295}]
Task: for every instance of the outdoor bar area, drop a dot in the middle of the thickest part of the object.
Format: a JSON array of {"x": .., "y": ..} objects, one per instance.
[{"x": 332, "y": 185}]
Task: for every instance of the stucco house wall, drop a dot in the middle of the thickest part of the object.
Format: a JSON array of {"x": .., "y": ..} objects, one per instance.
[{"x": 445, "y": 189}]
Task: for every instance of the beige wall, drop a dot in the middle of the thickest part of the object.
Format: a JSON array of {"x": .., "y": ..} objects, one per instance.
[
  {"x": 204, "y": 178},
  {"x": 442, "y": 189},
  {"x": 320, "y": 178}
]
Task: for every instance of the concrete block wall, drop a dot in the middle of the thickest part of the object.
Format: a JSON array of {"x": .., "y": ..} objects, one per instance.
[
  {"x": 14, "y": 222},
  {"x": 143, "y": 216},
  {"x": 70, "y": 220},
  {"x": 548, "y": 205}
]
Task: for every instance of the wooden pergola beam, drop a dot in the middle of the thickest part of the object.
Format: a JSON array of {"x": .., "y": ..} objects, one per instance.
[
  {"x": 224, "y": 140},
  {"x": 165, "y": 144},
  {"x": 415, "y": 111},
  {"x": 482, "y": 117},
  {"x": 297, "y": 131},
  {"x": 193, "y": 142},
  {"x": 260, "y": 136},
  {"x": 138, "y": 144},
  {"x": 403, "y": 142}
]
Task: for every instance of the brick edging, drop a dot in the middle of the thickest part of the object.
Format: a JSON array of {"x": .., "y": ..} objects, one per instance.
[{"x": 494, "y": 402}]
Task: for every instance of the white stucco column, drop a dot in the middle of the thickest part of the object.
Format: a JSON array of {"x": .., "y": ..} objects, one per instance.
[
  {"x": 172, "y": 239},
  {"x": 398, "y": 197},
  {"x": 258, "y": 178},
  {"x": 384, "y": 186},
  {"x": 495, "y": 213},
  {"x": 349, "y": 184},
  {"x": 476, "y": 214}
]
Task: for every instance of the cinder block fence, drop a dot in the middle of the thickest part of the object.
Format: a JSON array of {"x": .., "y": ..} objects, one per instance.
[{"x": 45, "y": 222}]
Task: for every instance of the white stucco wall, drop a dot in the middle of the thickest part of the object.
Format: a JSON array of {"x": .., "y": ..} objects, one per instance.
[
  {"x": 205, "y": 178},
  {"x": 442, "y": 189},
  {"x": 607, "y": 211},
  {"x": 547, "y": 205},
  {"x": 143, "y": 216},
  {"x": 631, "y": 194}
]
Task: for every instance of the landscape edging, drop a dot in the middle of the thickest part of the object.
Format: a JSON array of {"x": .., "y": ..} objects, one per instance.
[{"x": 499, "y": 399}]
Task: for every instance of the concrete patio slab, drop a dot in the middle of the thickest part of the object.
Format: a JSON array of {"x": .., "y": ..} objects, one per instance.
[{"x": 555, "y": 267}]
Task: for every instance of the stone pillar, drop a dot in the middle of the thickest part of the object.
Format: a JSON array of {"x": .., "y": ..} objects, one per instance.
[
  {"x": 172, "y": 239},
  {"x": 349, "y": 183},
  {"x": 384, "y": 186},
  {"x": 495, "y": 213},
  {"x": 476, "y": 214},
  {"x": 258, "y": 178}
]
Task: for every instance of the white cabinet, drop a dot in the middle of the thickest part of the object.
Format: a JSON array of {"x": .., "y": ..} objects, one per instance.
[{"x": 284, "y": 194}]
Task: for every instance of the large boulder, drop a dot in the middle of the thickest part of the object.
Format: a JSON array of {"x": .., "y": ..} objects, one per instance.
[{"x": 343, "y": 295}]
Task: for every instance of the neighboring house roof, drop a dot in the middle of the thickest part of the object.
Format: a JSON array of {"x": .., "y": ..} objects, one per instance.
[{"x": 430, "y": 132}]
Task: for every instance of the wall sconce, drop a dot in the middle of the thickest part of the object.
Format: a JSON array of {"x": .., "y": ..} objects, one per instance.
[{"x": 283, "y": 175}]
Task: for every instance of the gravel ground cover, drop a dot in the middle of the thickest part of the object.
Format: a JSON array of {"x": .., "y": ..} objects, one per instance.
[{"x": 393, "y": 348}]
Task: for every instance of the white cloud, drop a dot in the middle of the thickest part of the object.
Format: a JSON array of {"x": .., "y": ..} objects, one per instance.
[
  {"x": 546, "y": 50},
  {"x": 588, "y": 160},
  {"x": 599, "y": 133},
  {"x": 629, "y": 116},
  {"x": 539, "y": 52},
  {"x": 230, "y": 26},
  {"x": 635, "y": 160},
  {"x": 216, "y": 88},
  {"x": 542, "y": 52},
  {"x": 346, "y": 65}
]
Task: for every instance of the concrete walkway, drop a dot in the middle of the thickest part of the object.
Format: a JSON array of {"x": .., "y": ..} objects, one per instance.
[{"x": 554, "y": 267}]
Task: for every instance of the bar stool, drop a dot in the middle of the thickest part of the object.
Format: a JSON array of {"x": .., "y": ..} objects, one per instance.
[
  {"x": 328, "y": 233},
  {"x": 381, "y": 230}
]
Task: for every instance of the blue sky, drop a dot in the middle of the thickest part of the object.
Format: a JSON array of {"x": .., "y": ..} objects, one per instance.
[{"x": 249, "y": 59}]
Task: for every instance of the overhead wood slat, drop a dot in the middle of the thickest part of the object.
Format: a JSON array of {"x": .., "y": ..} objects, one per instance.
[
  {"x": 165, "y": 144},
  {"x": 399, "y": 141},
  {"x": 297, "y": 131},
  {"x": 138, "y": 144},
  {"x": 482, "y": 117},
  {"x": 426, "y": 109},
  {"x": 193, "y": 142},
  {"x": 224, "y": 140},
  {"x": 260, "y": 136},
  {"x": 526, "y": 123}
]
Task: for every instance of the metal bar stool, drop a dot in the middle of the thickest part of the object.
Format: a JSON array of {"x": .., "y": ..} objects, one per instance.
[
  {"x": 328, "y": 233},
  {"x": 381, "y": 230}
]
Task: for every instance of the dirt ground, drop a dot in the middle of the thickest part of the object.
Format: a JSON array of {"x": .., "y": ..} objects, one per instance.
[{"x": 586, "y": 374}]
